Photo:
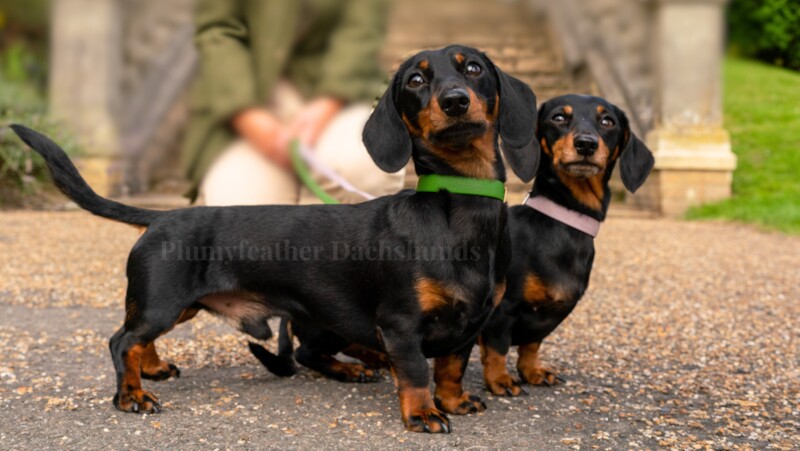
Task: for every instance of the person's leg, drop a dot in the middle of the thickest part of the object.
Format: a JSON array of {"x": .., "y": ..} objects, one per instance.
[
  {"x": 242, "y": 176},
  {"x": 340, "y": 149}
]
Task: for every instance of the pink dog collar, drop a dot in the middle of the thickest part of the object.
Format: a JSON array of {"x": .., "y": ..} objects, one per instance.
[{"x": 572, "y": 218}]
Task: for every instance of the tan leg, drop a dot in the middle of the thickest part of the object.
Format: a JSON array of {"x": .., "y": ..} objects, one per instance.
[
  {"x": 153, "y": 367},
  {"x": 450, "y": 396},
  {"x": 130, "y": 395},
  {"x": 495, "y": 373},
  {"x": 531, "y": 369}
]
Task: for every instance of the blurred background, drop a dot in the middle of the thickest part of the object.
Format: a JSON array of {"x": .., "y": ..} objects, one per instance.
[{"x": 712, "y": 86}]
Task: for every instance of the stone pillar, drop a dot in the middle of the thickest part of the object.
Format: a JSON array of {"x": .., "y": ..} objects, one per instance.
[
  {"x": 694, "y": 162},
  {"x": 85, "y": 62}
]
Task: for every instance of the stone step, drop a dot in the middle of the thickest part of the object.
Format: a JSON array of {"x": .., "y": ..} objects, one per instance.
[
  {"x": 515, "y": 38},
  {"x": 487, "y": 41}
]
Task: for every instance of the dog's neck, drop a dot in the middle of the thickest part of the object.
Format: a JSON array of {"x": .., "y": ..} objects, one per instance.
[
  {"x": 480, "y": 159},
  {"x": 590, "y": 196}
]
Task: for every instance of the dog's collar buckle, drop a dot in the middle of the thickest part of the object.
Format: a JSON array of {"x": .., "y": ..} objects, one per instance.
[{"x": 572, "y": 218}]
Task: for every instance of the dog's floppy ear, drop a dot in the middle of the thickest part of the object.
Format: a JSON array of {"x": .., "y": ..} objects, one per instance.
[
  {"x": 636, "y": 160},
  {"x": 385, "y": 134},
  {"x": 544, "y": 108},
  {"x": 516, "y": 123}
]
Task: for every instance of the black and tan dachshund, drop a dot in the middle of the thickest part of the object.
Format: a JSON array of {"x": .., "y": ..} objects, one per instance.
[
  {"x": 581, "y": 137},
  {"x": 446, "y": 109}
]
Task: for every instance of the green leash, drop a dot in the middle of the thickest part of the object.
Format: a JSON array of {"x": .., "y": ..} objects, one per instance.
[
  {"x": 430, "y": 183},
  {"x": 305, "y": 175}
]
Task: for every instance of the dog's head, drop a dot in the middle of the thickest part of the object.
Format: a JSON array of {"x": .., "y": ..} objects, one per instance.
[
  {"x": 447, "y": 107},
  {"x": 582, "y": 137}
]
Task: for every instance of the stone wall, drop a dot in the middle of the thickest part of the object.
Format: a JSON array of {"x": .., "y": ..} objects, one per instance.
[
  {"x": 158, "y": 62},
  {"x": 121, "y": 68},
  {"x": 610, "y": 43},
  {"x": 660, "y": 61}
]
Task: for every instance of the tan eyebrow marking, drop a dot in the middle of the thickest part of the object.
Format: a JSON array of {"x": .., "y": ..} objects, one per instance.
[
  {"x": 423, "y": 64},
  {"x": 459, "y": 58}
]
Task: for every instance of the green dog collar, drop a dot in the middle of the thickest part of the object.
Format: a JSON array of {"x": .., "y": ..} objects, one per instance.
[{"x": 432, "y": 183}]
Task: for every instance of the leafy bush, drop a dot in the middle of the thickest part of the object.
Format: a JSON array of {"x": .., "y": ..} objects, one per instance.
[
  {"x": 24, "y": 40},
  {"x": 766, "y": 29},
  {"x": 23, "y": 75},
  {"x": 21, "y": 170}
]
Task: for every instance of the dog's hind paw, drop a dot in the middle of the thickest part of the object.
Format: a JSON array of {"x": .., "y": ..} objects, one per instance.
[
  {"x": 541, "y": 376},
  {"x": 335, "y": 369},
  {"x": 463, "y": 405},
  {"x": 161, "y": 374},
  {"x": 353, "y": 372},
  {"x": 137, "y": 401},
  {"x": 505, "y": 385}
]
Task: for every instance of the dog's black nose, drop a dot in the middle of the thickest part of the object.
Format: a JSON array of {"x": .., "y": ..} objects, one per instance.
[
  {"x": 454, "y": 102},
  {"x": 586, "y": 145}
]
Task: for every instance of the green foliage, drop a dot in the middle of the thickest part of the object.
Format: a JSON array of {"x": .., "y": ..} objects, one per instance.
[
  {"x": 762, "y": 112},
  {"x": 23, "y": 40},
  {"x": 23, "y": 74},
  {"x": 21, "y": 170},
  {"x": 766, "y": 29},
  {"x": 19, "y": 64}
]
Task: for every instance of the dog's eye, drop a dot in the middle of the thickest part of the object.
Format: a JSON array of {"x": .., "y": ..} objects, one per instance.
[
  {"x": 473, "y": 69},
  {"x": 559, "y": 118},
  {"x": 607, "y": 122},
  {"x": 416, "y": 81}
]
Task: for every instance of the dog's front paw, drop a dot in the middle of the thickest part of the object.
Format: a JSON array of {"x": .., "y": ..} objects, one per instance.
[
  {"x": 540, "y": 376},
  {"x": 505, "y": 385},
  {"x": 419, "y": 411},
  {"x": 137, "y": 401},
  {"x": 428, "y": 420},
  {"x": 462, "y": 405},
  {"x": 166, "y": 371}
]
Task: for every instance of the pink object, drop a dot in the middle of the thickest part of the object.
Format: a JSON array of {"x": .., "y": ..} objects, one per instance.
[{"x": 572, "y": 218}]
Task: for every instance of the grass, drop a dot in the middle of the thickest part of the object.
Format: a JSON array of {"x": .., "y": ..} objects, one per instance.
[{"x": 762, "y": 113}]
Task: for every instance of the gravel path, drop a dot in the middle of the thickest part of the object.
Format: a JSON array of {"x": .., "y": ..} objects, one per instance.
[{"x": 687, "y": 338}]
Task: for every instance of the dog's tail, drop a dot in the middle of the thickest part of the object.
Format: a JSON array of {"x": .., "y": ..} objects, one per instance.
[
  {"x": 70, "y": 182},
  {"x": 281, "y": 364}
]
